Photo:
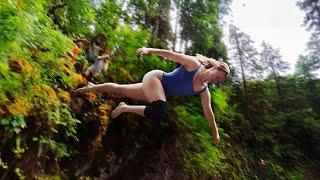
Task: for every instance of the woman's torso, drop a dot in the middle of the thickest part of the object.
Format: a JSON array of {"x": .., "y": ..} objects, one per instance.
[{"x": 180, "y": 82}]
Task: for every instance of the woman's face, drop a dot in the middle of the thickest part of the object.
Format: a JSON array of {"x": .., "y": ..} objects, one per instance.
[{"x": 216, "y": 76}]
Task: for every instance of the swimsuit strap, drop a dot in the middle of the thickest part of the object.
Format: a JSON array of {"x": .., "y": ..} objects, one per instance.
[
  {"x": 197, "y": 67},
  {"x": 201, "y": 91}
]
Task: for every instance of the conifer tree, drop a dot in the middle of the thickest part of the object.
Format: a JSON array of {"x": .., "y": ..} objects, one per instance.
[
  {"x": 244, "y": 56},
  {"x": 200, "y": 29},
  {"x": 273, "y": 64},
  {"x": 312, "y": 18},
  {"x": 153, "y": 15}
]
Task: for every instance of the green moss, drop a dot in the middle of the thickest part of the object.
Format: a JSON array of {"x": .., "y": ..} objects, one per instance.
[
  {"x": 200, "y": 154},
  {"x": 296, "y": 175},
  {"x": 14, "y": 124}
]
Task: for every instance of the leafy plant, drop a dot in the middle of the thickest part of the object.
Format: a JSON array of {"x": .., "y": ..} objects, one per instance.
[{"x": 14, "y": 124}]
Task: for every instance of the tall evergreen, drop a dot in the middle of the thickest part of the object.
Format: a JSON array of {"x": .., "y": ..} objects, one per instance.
[
  {"x": 313, "y": 49},
  {"x": 304, "y": 67},
  {"x": 307, "y": 65},
  {"x": 312, "y": 17},
  {"x": 224, "y": 7},
  {"x": 177, "y": 8},
  {"x": 153, "y": 15},
  {"x": 307, "y": 68},
  {"x": 200, "y": 29},
  {"x": 273, "y": 64},
  {"x": 244, "y": 55}
]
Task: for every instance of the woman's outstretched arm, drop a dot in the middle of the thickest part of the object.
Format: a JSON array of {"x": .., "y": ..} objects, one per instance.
[
  {"x": 186, "y": 60},
  {"x": 206, "y": 105}
]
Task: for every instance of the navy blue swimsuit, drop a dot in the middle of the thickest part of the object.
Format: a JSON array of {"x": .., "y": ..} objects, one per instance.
[{"x": 179, "y": 82}]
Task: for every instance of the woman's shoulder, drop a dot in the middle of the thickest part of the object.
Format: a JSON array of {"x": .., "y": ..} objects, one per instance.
[{"x": 192, "y": 66}]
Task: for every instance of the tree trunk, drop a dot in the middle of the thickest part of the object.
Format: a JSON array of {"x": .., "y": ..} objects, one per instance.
[
  {"x": 176, "y": 27},
  {"x": 276, "y": 78},
  {"x": 155, "y": 28},
  {"x": 242, "y": 70}
]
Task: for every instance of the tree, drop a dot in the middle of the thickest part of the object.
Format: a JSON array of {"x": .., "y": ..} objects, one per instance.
[
  {"x": 177, "y": 10},
  {"x": 153, "y": 15},
  {"x": 200, "y": 28},
  {"x": 108, "y": 18},
  {"x": 273, "y": 63},
  {"x": 161, "y": 29},
  {"x": 224, "y": 7},
  {"x": 244, "y": 56},
  {"x": 307, "y": 65},
  {"x": 312, "y": 9},
  {"x": 314, "y": 49},
  {"x": 304, "y": 67}
]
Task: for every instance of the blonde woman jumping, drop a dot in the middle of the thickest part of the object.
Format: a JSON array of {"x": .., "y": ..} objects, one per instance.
[{"x": 191, "y": 78}]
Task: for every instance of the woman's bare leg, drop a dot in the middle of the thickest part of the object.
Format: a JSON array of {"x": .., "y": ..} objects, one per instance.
[
  {"x": 123, "y": 108},
  {"x": 133, "y": 91},
  {"x": 149, "y": 90},
  {"x": 153, "y": 90},
  {"x": 152, "y": 87}
]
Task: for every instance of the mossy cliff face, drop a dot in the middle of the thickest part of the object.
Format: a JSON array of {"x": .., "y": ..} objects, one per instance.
[
  {"x": 49, "y": 132},
  {"x": 71, "y": 135}
]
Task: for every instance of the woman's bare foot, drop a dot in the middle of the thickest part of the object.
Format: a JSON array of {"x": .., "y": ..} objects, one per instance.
[
  {"x": 86, "y": 88},
  {"x": 118, "y": 110}
]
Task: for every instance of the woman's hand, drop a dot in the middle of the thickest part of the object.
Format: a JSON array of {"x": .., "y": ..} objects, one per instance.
[
  {"x": 142, "y": 51},
  {"x": 216, "y": 137}
]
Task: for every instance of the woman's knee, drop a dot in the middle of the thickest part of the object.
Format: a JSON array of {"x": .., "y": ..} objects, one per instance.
[
  {"x": 152, "y": 86},
  {"x": 156, "y": 110}
]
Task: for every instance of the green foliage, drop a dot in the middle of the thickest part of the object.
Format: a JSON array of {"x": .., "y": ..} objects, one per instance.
[
  {"x": 19, "y": 173},
  {"x": 273, "y": 63},
  {"x": 73, "y": 17},
  {"x": 56, "y": 72},
  {"x": 32, "y": 63},
  {"x": 37, "y": 35},
  {"x": 284, "y": 136},
  {"x": 47, "y": 39},
  {"x": 296, "y": 175},
  {"x": 107, "y": 19},
  {"x": 14, "y": 124},
  {"x": 199, "y": 25},
  {"x": 127, "y": 41},
  {"x": 6, "y": 86},
  {"x": 204, "y": 157},
  {"x": 65, "y": 119},
  {"x": 307, "y": 65},
  {"x": 244, "y": 55},
  {"x": 151, "y": 15},
  {"x": 220, "y": 100},
  {"x": 59, "y": 148},
  {"x": 12, "y": 27}
]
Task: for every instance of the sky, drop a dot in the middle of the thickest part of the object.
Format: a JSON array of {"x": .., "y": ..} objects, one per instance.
[{"x": 277, "y": 22}]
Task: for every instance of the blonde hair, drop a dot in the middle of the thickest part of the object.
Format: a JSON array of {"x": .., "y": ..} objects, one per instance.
[{"x": 209, "y": 63}]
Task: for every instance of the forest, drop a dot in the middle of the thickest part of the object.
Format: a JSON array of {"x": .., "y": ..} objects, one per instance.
[{"x": 268, "y": 121}]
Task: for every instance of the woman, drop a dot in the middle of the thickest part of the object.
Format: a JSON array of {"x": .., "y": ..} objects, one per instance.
[
  {"x": 101, "y": 64},
  {"x": 191, "y": 78}
]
